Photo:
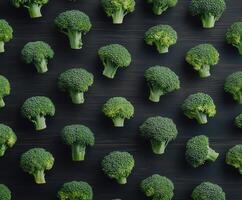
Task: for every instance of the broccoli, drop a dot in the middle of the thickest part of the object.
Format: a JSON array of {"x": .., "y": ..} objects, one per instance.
[
  {"x": 5, "y": 193},
  {"x": 37, "y": 53},
  {"x": 78, "y": 137},
  {"x": 208, "y": 191},
  {"x": 199, "y": 106},
  {"x": 234, "y": 35},
  {"x": 160, "y": 6},
  {"x": 6, "y": 34},
  {"x": 33, "y": 6},
  {"x": 35, "y": 109},
  {"x": 114, "y": 56},
  {"x": 198, "y": 151},
  {"x": 78, "y": 190},
  {"x": 5, "y": 89},
  {"x": 118, "y": 109},
  {"x": 35, "y": 162},
  {"x": 118, "y": 165},
  {"x": 159, "y": 131},
  {"x": 117, "y": 9},
  {"x": 234, "y": 157},
  {"x": 162, "y": 36},
  {"x": 233, "y": 85},
  {"x": 75, "y": 81},
  {"x": 238, "y": 121},
  {"x": 161, "y": 80},
  {"x": 74, "y": 24},
  {"x": 202, "y": 57},
  {"x": 208, "y": 11},
  {"x": 158, "y": 187}
]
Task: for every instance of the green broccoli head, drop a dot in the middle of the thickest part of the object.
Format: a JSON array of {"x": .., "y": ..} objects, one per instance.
[
  {"x": 238, "y": 121},
  {"x": 5, "y": 89},
  {"x": 74, "y": 24},
  {"x": 7, "y": 138},
  {"x": 233, "y": 85},
  {"x": 118, "y": 165},
  {"x": 198, "y": 151},
  {"x": 114, "y": 56},
  {"x": 118, "y": 109},
  {"x": 158, "y": 187},
  {"x": 75, "y": 81},
  {"x": 78, "y": 137},
  {"x": 33, "y": 6},
  {"x": 161, "y": 80},
  {"x": 234, "y": 157},
  {"x": 162, "y": 36},
  {"x": 159, "y": 131},
  {"x": 6, "y": 34},
  {"x": 234, "y": 35},
  {"x": 202, "y": 57},
  {"x": 208, "y": 191},
  {"x": 117, "y": 9},
  {"x": 208, "y": 11},
  {"x": 38, "y": 53},
  {"x": 199, "y": 106},
  {"x": 5, "y": 193},
  {"x": 35, "y": 109},
  {"x": 160, "y": 6},
  {"x": 35, "y": 162},
  {"x": 76, "y": 190}
]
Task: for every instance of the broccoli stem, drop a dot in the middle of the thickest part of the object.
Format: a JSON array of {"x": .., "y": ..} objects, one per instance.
[
  {"x": 2, "y": 49},
  {"x": 239, "y": 47},
  {"x": 34, "y": 10},
  {"x": 158, "y": 147},
  {"x": 40, "y": 123},
  {"x": 122, "y": 180},
  {"x": 42, "y": 66},
  {"x": 212, "y": 155},
  {"x": 118, "y": 122},
  {"x": 77, "y": 97},
  {"x": 2, "y": 103},
  {"x": 201, "y": 118},
  {"x": 238, "y": 97},
  {"x": 161, "y": 48},
  {"x": 208, "y": 20},
  {"x": 118, "y": 17},
  {"x": 78, "y": 152},
  {"x": 204, "y": 71},
  {"x": 157, "y": 9},
  {"x": 155, "y": 95},
  {"x": 75, "y": 39},
  {"x": 109, "y": 70},
  {"x": 3, "y": 148},
  {"x": 39, "y": 177}
]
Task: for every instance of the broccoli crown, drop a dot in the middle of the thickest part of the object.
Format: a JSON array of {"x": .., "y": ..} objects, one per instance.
[
  {"x": 158, "y": 187},
  {"x": 7, "y": 136},
  {"x": 159, "y": 6},
  {"x": 6, "y": 31},
  {"x": 238, "y": 121},
  {"x": 28, "y": 3},
  {"x": 234, "y": 34},
  {"x": 37, "y": 52},
  {"x": 76, "y": 190},
  {"x": 5, "y": 193},
  {"x": 234, "y": 157},
  {"x": 208, "y": 191},
  {"x": 4, "y": 87}
]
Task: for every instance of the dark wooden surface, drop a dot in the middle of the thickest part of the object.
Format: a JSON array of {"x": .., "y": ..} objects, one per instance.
[{"x": 129, "y": 83}]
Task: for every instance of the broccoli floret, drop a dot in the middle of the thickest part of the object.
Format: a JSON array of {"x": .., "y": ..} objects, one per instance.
[
  {"x": 160, "y": 6},
  {"x": 234, "y": 157},
  {"x": 33, "y": 6},
  {"x": 78, "y": 190},
  {"x": 208, "y": 11},
  {"x": 38, "y": 53},
  {"x": 202, "y": 57},
  {"x": 78, "y": 137},
  {"x": 238, "y": 121},
  {"x": 35, "y": 109},
  {"x": 74, "y": 24},
  {"x": 6, "y": 34},
  {"x": 162, "y": 36},
  {"x": 75, "y": 81},
  {"x": 208, "y": 191},
  {"x": 118, "y": 165},
  {"x": 117, "y": 9},
  {"x": 158, "y": 187},
  {"x": 233, "y": 85},
  {"x": 5, "y": 193},
  {"x": 118, "y": 109},
  {"x": 234, "y": 35},
  {"x": 198, "y": 151},
  {"x": 161, "y": 80},
  {"x": 199, "y": 106},
  {"x": 114, "y": 56},
  {"x": 5, "y": 89},
  {"x": 35, "y": 162},
  {"x": 160, "y": 131}
]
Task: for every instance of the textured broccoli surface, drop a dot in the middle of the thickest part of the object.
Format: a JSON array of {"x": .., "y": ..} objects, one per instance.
[
  {"x": 114, "y": 56},
  {"x": 76, "y": 81},
  {"x": 76, "y": 190},
  {"x": 118, "y": 109},
  {"x": 35, "y": 162},
  {"x": 208, "y": 191},
  {"x": 161, "y": 80},
  {"x": 118, "y": 165},
  {"x": 38, "y": 53},
  {"x": 5, "y": 89},
  {"x": 238, "y": 121},
  {"x": 162, "y": 36},
  {"x": 158, "y": 187},
  {"x": 160, "y": 131},
  {"x": 202, "y": 57},
  {"x": 199, "y": 106},
  {"x": 234, "y": 35},
  {"x": 117, "y": 9},
  {"x": 160, "y": 6},
  {"x": 6, "y": 34},
  {"x": 234, "y": 157},
  {"x": 208, "y": 11},
  {"x": 5, "y": 193},
  {"x": 74, "y": 24},
  {"x": 35, "y": 109}
]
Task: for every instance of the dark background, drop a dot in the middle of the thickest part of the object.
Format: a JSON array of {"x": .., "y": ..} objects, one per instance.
[{"x": 129, "y": 83}]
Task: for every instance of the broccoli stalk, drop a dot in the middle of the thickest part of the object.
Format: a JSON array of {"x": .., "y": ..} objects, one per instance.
[
  {"x": 2, "y": 49},
  {"x": 157, "y": 9},
  {"x": 155, "y": 95},
  {"x": 161, "y": 48},
  {"x": 118, "y": 122},
  {"x": 212, "y": 155},
  {"x": 122, "y": 180},
  {"x": 2, "y": 103},
  {"x": 118, "y": 16},
  {"x": 201, "y": 117},
  {"x": 39, "y": 177},
  {"x": 34, "y": 10},
  {"x": 204, "y": 71},
  {"x": 42, "y": 66},
  {"x": 3, "y": 149},
  {"x": 77, "y": 97},
  {"x": 208, "y": 20},
  {"x": 109, "y": 69},
  {"x": 159, "y": 147},
  {"x": 75, "y": 39},
  {"x": 39, "y": 122},
  {"x": 78, "y": 152}
]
